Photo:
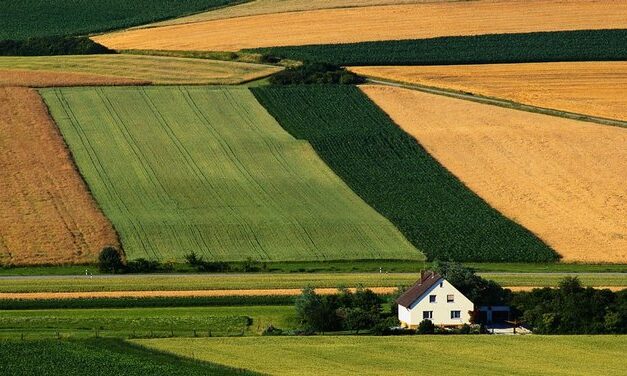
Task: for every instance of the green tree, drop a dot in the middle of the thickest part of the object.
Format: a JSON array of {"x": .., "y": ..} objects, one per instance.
[{"x": 110, "y": 260}]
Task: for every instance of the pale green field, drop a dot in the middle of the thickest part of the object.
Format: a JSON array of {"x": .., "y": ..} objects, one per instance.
[
  {"x": 414, "y": 355},
  {"x": 207, "y": 169},
  {"x": 154, "y": 69},
  {"x": 166, "y": 282}
]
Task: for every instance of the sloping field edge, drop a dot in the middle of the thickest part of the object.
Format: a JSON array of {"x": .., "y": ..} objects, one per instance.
[
  {"x": 400, "y": 184},
  {"x": 553, "y": 46}
]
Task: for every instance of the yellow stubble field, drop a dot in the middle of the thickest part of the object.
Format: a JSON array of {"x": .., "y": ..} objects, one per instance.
[
  {"x": 591, "y": 88},
  {"x": 47, "y": 215},
  {"x": 562, "y": 179},
  {"x": 390, "y": 22}
]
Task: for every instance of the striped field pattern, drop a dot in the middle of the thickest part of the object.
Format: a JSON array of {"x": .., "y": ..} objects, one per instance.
[{"x": 180, "y": 169}]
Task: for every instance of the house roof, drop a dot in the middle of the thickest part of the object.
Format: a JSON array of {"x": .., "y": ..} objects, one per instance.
[{"x": 427, "y": 279}]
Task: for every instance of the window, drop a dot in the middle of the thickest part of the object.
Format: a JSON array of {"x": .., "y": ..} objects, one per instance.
[
  {"x": 455, "y": 314},
  {"x": 431, "y": 298},
  {"x": 450, "y": 298},
  {"x": 427, "y": 315},
  {"x": 441, "y": 284}
]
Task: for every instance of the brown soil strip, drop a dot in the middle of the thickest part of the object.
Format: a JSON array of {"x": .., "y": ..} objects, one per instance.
[
  {"x": 376, "y": 23},
  {"x": 562, "y": 179},
  {"x": 47, "y": 215}
]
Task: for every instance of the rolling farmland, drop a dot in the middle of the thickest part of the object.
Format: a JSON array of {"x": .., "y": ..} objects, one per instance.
[
  {"x": 47, "y": 216},
  {"x": 397, "y": 177},
  {"x": 180, "y": 169},
  {"x": 450, "y": 355},
  {"x": 562, "y": 179},
  {"x": 591, "y": 88},
  {"x": 393, "y": 22},
  {"x": 97, "y": 357},
  {"x": 556, "y": 46},
  {"x": 129, "y": 68},
  {"x": 41, "y": 18},
  {"x": 31, "y": 78}
]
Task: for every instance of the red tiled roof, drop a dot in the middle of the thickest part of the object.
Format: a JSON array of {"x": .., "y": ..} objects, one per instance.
[{"x": 427, "y": 279}]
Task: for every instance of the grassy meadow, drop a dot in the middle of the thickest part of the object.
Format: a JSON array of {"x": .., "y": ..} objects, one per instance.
[
  {"x": 449, "y": 355},
  {"x": 398, "y": 177},
  {"x": 41, "y": 18},
  {"x": 139, "y": 68},
  {"x": 97, "y": 357},
  {"x": 207, "y": 169}
]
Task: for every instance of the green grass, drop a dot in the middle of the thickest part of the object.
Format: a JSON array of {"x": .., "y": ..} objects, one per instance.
[
  {"x": 444, "y": 355},
  {"x": 352, "y": 266},
  {"x": 396, "y": 176},
  {"x": 207, "y": 169},
  {"x": 278, "y": 281},
  {"x": 40, "y": 18},
  {"x": 143, "y": 322},
  {"x": 146, "y": 69},
  {"x": 579, "y": 45},
  {"x": 97, "y": 357}
]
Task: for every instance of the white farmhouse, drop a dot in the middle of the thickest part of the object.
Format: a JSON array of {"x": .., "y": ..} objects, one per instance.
[{"x": 433, "y": 298}]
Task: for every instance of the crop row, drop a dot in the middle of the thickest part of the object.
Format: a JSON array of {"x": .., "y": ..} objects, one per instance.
[
  {"x": 398, "y": 177},
  {"x": 579, "y": 45}
]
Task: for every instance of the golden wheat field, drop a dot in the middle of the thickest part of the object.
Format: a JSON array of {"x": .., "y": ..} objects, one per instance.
[
  {"x": 139, "y": 68},
  {"x": 375, "y": 23},
  {"x": 47, "y": 215},
  {"x": 257, "y": 7},
  {"x": 592, "y": 88},
  {"x": 42, "y": 78},
  {"x": 562, "y": 179}
]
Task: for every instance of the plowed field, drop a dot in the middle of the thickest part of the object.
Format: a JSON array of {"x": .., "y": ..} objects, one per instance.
[
  {"x": 562, "y": 179},
  {"x": 592, "y": 88},
  {"x": 392, "y": 22},
  {"x": 46, "y": 213}
]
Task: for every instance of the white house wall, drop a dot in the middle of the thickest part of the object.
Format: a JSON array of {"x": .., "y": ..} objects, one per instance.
[{"x": 441, "y": 308}]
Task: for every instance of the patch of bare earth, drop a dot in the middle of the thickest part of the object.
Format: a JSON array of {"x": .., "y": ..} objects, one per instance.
[
  {"x": 32, "y": 78},
  {"x": 591, "y": 88},
  {"x": 562, "y": 179},
  {"x": 392, "y": 22},
  {"x": 47, "y": 216}
]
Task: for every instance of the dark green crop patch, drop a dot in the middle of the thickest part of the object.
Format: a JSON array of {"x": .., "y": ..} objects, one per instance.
[{"x": 393, "y": 173}]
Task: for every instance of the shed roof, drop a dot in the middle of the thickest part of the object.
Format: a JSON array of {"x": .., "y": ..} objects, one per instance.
[{"x": 427, "y": 279}]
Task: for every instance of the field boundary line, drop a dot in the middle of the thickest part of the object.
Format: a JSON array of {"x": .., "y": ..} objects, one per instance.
[{"x": 498, "y": 102}]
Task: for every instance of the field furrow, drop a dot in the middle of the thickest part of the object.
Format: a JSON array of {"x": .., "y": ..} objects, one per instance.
[
  {"x": 376, "y": 23},
  {"x": 181, "y": 169},
  {"x": 562, "y": 179},
  {"x": 591, "y": 88},
  {"x": 47, "y": 216}
]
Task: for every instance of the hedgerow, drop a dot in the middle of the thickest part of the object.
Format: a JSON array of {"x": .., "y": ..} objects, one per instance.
[
  {"x": 395, "y": 175},
  {"x": 579, "y": 45}
]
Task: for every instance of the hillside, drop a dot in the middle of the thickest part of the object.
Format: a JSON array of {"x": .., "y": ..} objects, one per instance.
[
  {"x": 398, "y": 177},
  {"x": 591, "y": 88},
  {"x": 562, "y": 179},
  {"x": 131, "y": 69},
  {"x": 181, "y": 169},
  {"x": 47, "y": 216},
  {"x": 393, "y": 22}
]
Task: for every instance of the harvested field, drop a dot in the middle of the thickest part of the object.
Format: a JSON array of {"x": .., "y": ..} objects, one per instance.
[
  {"x": 591, "y": 88},
  {"x": 257, "y": 7},
  {"x": 207, "y": 169},
  {"x": 47, "y": 216},
  {"x": 42, "y": 78},
  {"x": 562, "y": 179},
  {"x": 383, "y": 23},
  {"x": 133, "y": 69}
]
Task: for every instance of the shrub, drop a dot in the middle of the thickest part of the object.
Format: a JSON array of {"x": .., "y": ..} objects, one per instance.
[
  {"x": 272, "y": 331},
  {"x": 426, "y": 327},
  {"x": 206, "y": 266},
  {"x": 110, "y": 260},
  {"x": 142, "y": 265}
]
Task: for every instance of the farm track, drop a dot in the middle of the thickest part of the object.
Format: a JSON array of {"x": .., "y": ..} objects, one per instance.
[
  {"x": 532, "y": 168},
  {"x": 393, "y": 22},
  {"x": 587, "y": 91}
]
